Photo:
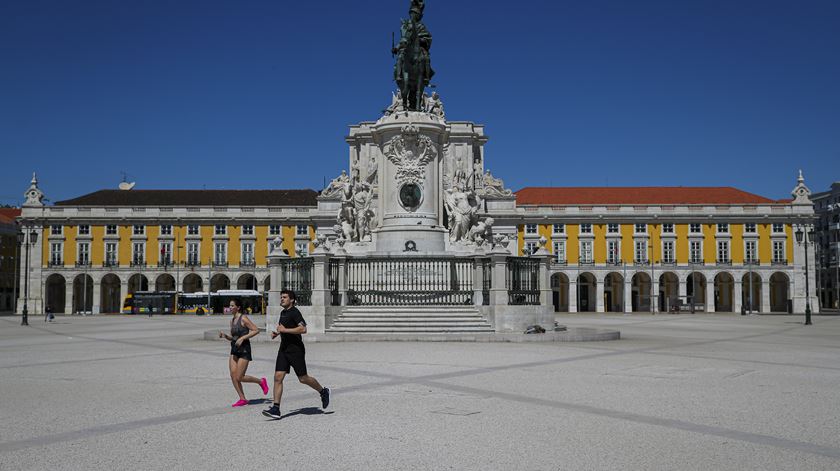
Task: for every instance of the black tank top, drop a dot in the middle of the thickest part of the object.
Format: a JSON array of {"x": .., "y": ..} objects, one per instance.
[{"x": 237, "y": 329}]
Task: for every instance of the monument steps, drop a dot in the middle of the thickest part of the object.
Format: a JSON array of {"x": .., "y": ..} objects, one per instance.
[{"x": 411, "y": 319}]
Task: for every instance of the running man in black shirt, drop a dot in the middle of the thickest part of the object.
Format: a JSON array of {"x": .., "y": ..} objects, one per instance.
[{"x": 292, "y": 354}]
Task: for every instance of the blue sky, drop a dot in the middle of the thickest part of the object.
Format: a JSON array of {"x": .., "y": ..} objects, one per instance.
[{"x": 259, "y": 94}]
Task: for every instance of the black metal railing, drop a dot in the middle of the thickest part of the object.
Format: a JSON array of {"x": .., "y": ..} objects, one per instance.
[
  {"x": 83, "y": 263},
  {"x": 110, "y": 264},
  {"x": 220, "y": 264},
  {"x": 779, "y": 262},
  {"x": 55, "y": 263},
  {"x": 297, "y": 276},
  {"x": 410, "y": 281},
  {"x": 138, "y": 262},
  {"x": 248, "y": 263},
  {"x": 486, "y": 280},
  {"x": 522, "y": 280},
  {"x": 335, "y": 294}
]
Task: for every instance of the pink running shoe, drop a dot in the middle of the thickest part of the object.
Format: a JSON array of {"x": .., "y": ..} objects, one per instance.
[
  {"x": 264, "y": 385},
  {"x": 240, "y": 403}
]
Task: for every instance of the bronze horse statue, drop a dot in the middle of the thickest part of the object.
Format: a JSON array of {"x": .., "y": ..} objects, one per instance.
[{"x": 413, "y": 70}]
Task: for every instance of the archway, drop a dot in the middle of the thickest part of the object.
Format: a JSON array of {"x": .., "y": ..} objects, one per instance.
[
  {"x": 751, "y": 284},
  {"x": 246, "y": 281},
  {"x": 641, "y": 289},
  {"x": 586, "y": 292},
  {"x": 724, "y": 289},
  {"x": 83, "y": 294},
  {"x": 219, "y": 282},
  {"x": 109, "y": 294},
  {"x": 165, "y": 282},
  {"x": 614, "y": 293},
  {"x": 695, "y": 288},
  {"x": 669, "y": 292},
  {"x": 137, "y": 283},
  {"x": 55, "y": 291},
  {"x": 779, "y": 292},
  {"x": 193, "y": 283},
  {"x": 560, "y": 292}
]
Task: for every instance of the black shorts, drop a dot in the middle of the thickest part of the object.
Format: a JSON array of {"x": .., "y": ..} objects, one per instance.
[
  {"x": 243, "y": 351},
  {"x": 293, "y": 359}
]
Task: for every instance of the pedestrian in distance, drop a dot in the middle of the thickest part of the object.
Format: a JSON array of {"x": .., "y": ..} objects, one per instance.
[
  {"x": 241, "y": 331},
  {"x": 291, "y": 354},
  {"x": 48, "y": 315}
]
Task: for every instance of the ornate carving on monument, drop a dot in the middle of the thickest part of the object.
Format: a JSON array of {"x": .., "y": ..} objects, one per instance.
[
  {"x": 434, "y": 106},
  {"x": 336, "y": 186},
  {"x": 801, "y": 193},
  {"x": 462, "y": 206},
  {"x": 482, "y": 231},
  {"x": 410, "y": 152},
  {"x": 492, "y": 186},
  {"x": 356, "y": 218},
  {"x": 276, "y": 248}
]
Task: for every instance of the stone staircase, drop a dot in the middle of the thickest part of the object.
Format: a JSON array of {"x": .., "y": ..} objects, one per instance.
[{"x": 411, "y": 320}]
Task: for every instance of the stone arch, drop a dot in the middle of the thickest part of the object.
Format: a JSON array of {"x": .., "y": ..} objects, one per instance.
[
  {"x": 779, "y": 292},
  {"x": 751, "y": 284},
  {"x": 109, "y": 294},
  {"x": 560, "y": 292},
  {"x": 587, "y": 286},
  {"x": 724, "y": 291},
  {"x": 669, "y": 292},
  {"x": 614, "y": 292},
  {"x": 247, "y": 281},
  {"x": 695, "y": 288},
  {"x": 218, "y": 282},
  {"x": 641, "y": 287},
  {"x": 138, "y": 282},
  {"x": 192, "y": 283},
  {"x": 55, "y": 291},
  {"x": 83, "y": 294},
  {"x": 165, "y": 282}
]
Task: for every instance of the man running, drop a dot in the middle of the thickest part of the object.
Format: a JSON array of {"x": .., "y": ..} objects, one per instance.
[{"x": 290, "y": 328}]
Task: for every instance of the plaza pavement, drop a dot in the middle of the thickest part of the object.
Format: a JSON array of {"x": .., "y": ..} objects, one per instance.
[{"x": 677, "y": 392}]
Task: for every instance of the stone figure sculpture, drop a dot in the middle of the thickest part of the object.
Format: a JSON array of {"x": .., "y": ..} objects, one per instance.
[
  {"x": 494, "y": 186},
  {"x": 482, "y": 231},
  {"x": 434, "y": 106},
  {"x": 413, "y": 69},
  {"x": 336, "y": 186},
  {"x": 362, "y": 208},
  {"x": 396, "y": 104},
  {"x": 462, "y": 207}
]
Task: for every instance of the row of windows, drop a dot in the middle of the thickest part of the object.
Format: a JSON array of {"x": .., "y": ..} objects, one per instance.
[
  {"x": 138, "y": 253},
  {"x": 220, "y": 229},
  {"x": 667, "y": 228},
  {"x": 641, "y": 247}
]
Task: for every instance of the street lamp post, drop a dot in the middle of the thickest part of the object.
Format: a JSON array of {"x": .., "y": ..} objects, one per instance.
[
  {"x": 28, "y": 238},
  {"x": 803, "y": 233}
]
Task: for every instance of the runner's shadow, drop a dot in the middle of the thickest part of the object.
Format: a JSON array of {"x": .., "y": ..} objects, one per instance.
[
  {"x": 308, "y": 411},
  {"x": 253, "y": 402}
]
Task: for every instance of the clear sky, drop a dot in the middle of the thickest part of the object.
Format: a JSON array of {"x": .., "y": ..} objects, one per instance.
[{"x": 243, "y": 94}]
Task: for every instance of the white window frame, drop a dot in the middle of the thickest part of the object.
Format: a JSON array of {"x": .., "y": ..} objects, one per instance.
[
  {"x": 165, "y": 252},
  {"x": 247, "y": 252},
  {"x": 586, "y": 228},
  {"x": 112, "y": 256},
  {"x": 138, "y": 256},
  {"x": 776, "y": 226},
  {"x": 695, "y": 251},
  {"x": 612, "y": 226},
  {"x": 558, "y": 229},
  {"x": 585, "y": 251},
  {"x": 668, "y": 228},
  {"x": 84, "y": 229},
  {"x": 83, "y": 252},
  {"x": 531, "y": 229},
  {"x": 529, "y": 248},
  {"x": 695, "y": 225},
  {"x": 166, "y": 229},
  {"x": 723, "y": 253},
  {"x": 613, "y": 251},
  {"x": 560, "y": 251},
  {"x": 302, "y": 230},
  {"x": 220, "y": 252},
  {"x": 56, "y": 229},
  {"x": 138, "y": 229},
  {"x": 275, "y": 230},
  {"x": 302, "y": 249},
  {"x": 56, "y": 253},
  {"x": 637, "y": 227},
  {"x": 108, "y": 230},
  {"x": 723, "y": 228},
  {"x": 220, "y": 229},
  {"x": 193, "y": 229},
  {"x": 247, "y": 229},
  {"x": 640, "y": 251},
  {"x": 194, "y": 256},
  {"x": 668, "y": 254},
  {"x": 750, "y": 228},
  {"x": 750, "y": 255},
  {"x": 776, "y": 245}
]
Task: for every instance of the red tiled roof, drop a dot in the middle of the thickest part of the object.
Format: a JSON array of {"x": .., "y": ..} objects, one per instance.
[
  {"x": 8, "y": 215},
  {"x": 636, "y": 196}
]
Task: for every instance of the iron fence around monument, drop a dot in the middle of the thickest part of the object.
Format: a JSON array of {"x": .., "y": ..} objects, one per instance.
[
  {"x": 412, "y": 281},
  {"x": 335, "y": 293},
  {"x": 297, "y": 276},
  {"x": 522, "y": 280},
  {"x": 486, "y": 280}
]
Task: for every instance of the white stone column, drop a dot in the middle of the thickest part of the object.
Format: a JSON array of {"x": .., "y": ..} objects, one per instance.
[
  {"x": 654, "y": 291},
  {"x": 573, "y": 295},
  {"x": 97, "y": 297},
  {"x": 628, "y": 295},
  {"x": 599, "y": 294},
  {"x": 68, "y": 297},
  {"x": 683, "y": 290},
  {"x": 765, "y": 294},
  {"x": 123, "y": 291},
  {"x": 316, "y": 317},
  {"x": 737, "y": 294},
  {"x": 710, "y": 296}
]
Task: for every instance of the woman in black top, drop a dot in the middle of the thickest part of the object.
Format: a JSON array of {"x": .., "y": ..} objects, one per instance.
[{"x": 241, "y": 331}]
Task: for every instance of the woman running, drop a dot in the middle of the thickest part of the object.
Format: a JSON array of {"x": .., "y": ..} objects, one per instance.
[{"x": 241, "y": 331}]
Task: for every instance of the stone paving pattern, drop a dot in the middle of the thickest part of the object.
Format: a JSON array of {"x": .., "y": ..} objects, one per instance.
[{"x": 704, "y": 392}]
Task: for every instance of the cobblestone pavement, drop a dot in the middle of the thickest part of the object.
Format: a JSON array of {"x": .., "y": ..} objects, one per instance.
[{"x": 705, "y": 392}]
